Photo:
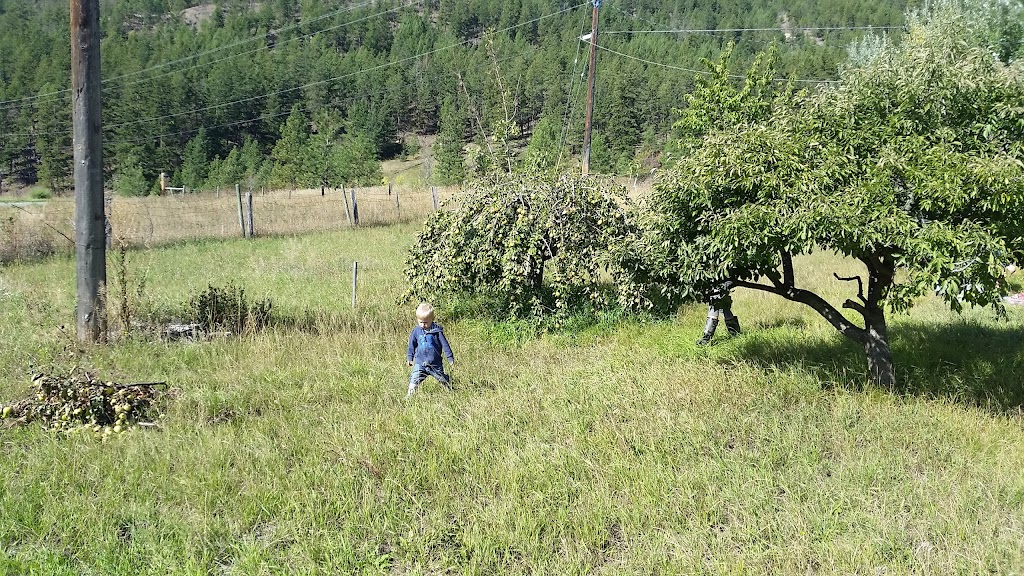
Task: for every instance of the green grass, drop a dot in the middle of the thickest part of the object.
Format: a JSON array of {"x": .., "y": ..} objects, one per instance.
[{"x": 618, "y": 448}]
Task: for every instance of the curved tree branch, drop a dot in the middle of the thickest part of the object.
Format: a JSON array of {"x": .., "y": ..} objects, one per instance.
[
  {"x": 860, "y": 286},
  {"x": 817, "y": 303},
  {"x": 851, "y": 305}
]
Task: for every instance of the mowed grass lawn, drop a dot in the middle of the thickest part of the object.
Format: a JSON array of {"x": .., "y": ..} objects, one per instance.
[{"x": 619, "y": 448}]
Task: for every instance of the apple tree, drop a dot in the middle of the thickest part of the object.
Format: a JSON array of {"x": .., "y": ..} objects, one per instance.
[
  {"x": 535, "y": 244},
  {"x": 912, "y": 165}
]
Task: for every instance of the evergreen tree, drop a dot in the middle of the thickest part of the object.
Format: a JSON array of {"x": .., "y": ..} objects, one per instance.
[
  {"x": 449, "y": 159},
  {"x": 129, "y": 180},
  {"x": 624, "y": 131},
  {"x": 601, "y": 158},
  {"x": 542, "y": 151},
  {"x": 355, "y": 162},
  {"x": 53, "y": 143},
  {"x": 251, "y": 159},
  {"x": 231, "y": 170},
  {"x": 289, "y": 151},
  {"x": 195, "y": 162}
]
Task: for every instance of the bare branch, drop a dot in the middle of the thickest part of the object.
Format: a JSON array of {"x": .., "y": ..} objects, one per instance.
[
  {"x": 851, "y": 305},
  {"x": 860, "y": 286}
]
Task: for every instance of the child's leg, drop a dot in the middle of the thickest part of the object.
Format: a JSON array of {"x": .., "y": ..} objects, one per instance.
[
  {"x": 416, "y": 378},
  {"x": 709, "y": 326},
  {"x": 444, "y": 378},
  {"x": 440, "y": 375}
]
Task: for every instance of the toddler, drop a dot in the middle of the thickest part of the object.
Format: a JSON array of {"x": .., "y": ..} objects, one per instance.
[{"x": 426, "y": 344}]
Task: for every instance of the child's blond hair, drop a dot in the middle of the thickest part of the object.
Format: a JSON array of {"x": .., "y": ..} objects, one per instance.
[{"x": 425, "y": 312}]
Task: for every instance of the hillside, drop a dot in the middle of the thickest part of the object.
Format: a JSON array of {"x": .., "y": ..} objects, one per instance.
[{"x": 185, "y": 85}]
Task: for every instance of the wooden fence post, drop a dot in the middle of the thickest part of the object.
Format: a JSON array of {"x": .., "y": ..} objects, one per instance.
[
  {"x": 241, "y": 214},
  {"x": 248, "y": 202},
  {"x": 348, "y": 211},
  {"x": 433, "y": 194},
  {"x": 398, "y": 206},
  {"x": 355, "y": 276},
  {"x": 389, "y": 188},
  {"x": 355, "y": 208}
]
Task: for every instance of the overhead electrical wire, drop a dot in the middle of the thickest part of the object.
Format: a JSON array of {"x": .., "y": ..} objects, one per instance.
[
  {"x": 731, "y": 30},
  {"x": 567, "y": 113},
  {"x": 263, "y": 117},
  {"x": 265, "y": 47},
  {"x": 325, "y": 81},
  {"x": 351, "y": 8},
  {"x": 725, "y": 30},
  {"x": 705, "y": 72}
]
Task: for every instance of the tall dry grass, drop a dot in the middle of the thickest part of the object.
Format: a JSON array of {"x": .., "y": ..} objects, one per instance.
[{"x": 31, "y": 230}]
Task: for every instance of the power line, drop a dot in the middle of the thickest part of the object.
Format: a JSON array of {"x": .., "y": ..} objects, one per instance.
[
  {"x": 297, "y": 38},
  {"x": 325, "y": 81},
  {"x": 705, "y": 72},
  {"x": 263, "y": 117},
  {"x": 728, "y": 30},
  {"x": 220, "y": 48},
  {"x": 566, "y": 114}
]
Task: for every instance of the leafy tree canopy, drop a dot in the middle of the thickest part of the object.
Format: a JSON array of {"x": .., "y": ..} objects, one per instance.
[
  {"x": 535, "y": 244},
  {"x": 912, "y": 165}
]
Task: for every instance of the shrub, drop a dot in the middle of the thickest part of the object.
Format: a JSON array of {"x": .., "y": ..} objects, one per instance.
[
  {"x": 228, "y": 309},
  {"x": 533, "y": 244}
]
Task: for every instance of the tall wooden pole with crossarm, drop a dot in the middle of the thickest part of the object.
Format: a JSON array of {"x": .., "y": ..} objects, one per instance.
[
  {"x": 590, "y": 88},
  {"x": 90, "y": 229}
]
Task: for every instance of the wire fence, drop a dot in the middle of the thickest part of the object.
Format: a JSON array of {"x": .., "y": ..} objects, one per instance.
[{"x": 30, "y": 230}]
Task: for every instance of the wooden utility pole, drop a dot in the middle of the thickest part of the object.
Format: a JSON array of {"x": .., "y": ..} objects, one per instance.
[
  {"x": 590, "y": 89},
  {"x": 90, "y": 221}
]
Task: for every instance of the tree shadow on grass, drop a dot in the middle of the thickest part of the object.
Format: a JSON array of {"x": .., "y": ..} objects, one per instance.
[{"x": 968, "y": 362}]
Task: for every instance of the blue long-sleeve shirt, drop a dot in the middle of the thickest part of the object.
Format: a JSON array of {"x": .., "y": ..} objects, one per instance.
[{"x": 426, "y": 346}]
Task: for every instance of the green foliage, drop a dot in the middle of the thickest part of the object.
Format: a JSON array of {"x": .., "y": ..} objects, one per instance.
[
  {"x": 449, "y": 157},
  {"x": 289, "y": 151},
  {"x": 39, "y": 193},
  {"x": 195, "y": 162},
  {"x": 534, "y": 244},
  {"x": 369, "y": 68},
  {"x": 334, "y": 159},
  {"x": 74, "y": 400},
  {"x": 355, "y": 161},
  {"x": 913, "y": 165},
  {"x": 228, "y": 309},
  {"x": 542, "y": 151},
  {"x": 717, "y": 102},
  {"x": 129, "y": 180},
  {"x": 229, "y": 171},
  {"x": 601, "y": 159}
]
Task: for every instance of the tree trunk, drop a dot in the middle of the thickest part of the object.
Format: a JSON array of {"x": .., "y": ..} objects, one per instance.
[
  {"x": 880, "y": 361},
  {"x": 876, "y": 348},
  {"x": 537, "y": 276}
]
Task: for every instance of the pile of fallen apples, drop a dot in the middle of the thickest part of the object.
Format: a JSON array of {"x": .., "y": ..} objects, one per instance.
[{"x": 78, "y": 401}]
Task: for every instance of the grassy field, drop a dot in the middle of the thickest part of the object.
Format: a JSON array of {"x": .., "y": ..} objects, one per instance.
[{"x": 617, "y": 448}]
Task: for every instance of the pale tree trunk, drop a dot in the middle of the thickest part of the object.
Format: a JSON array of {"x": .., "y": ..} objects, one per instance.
[{"x": 876, "y": 348}]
